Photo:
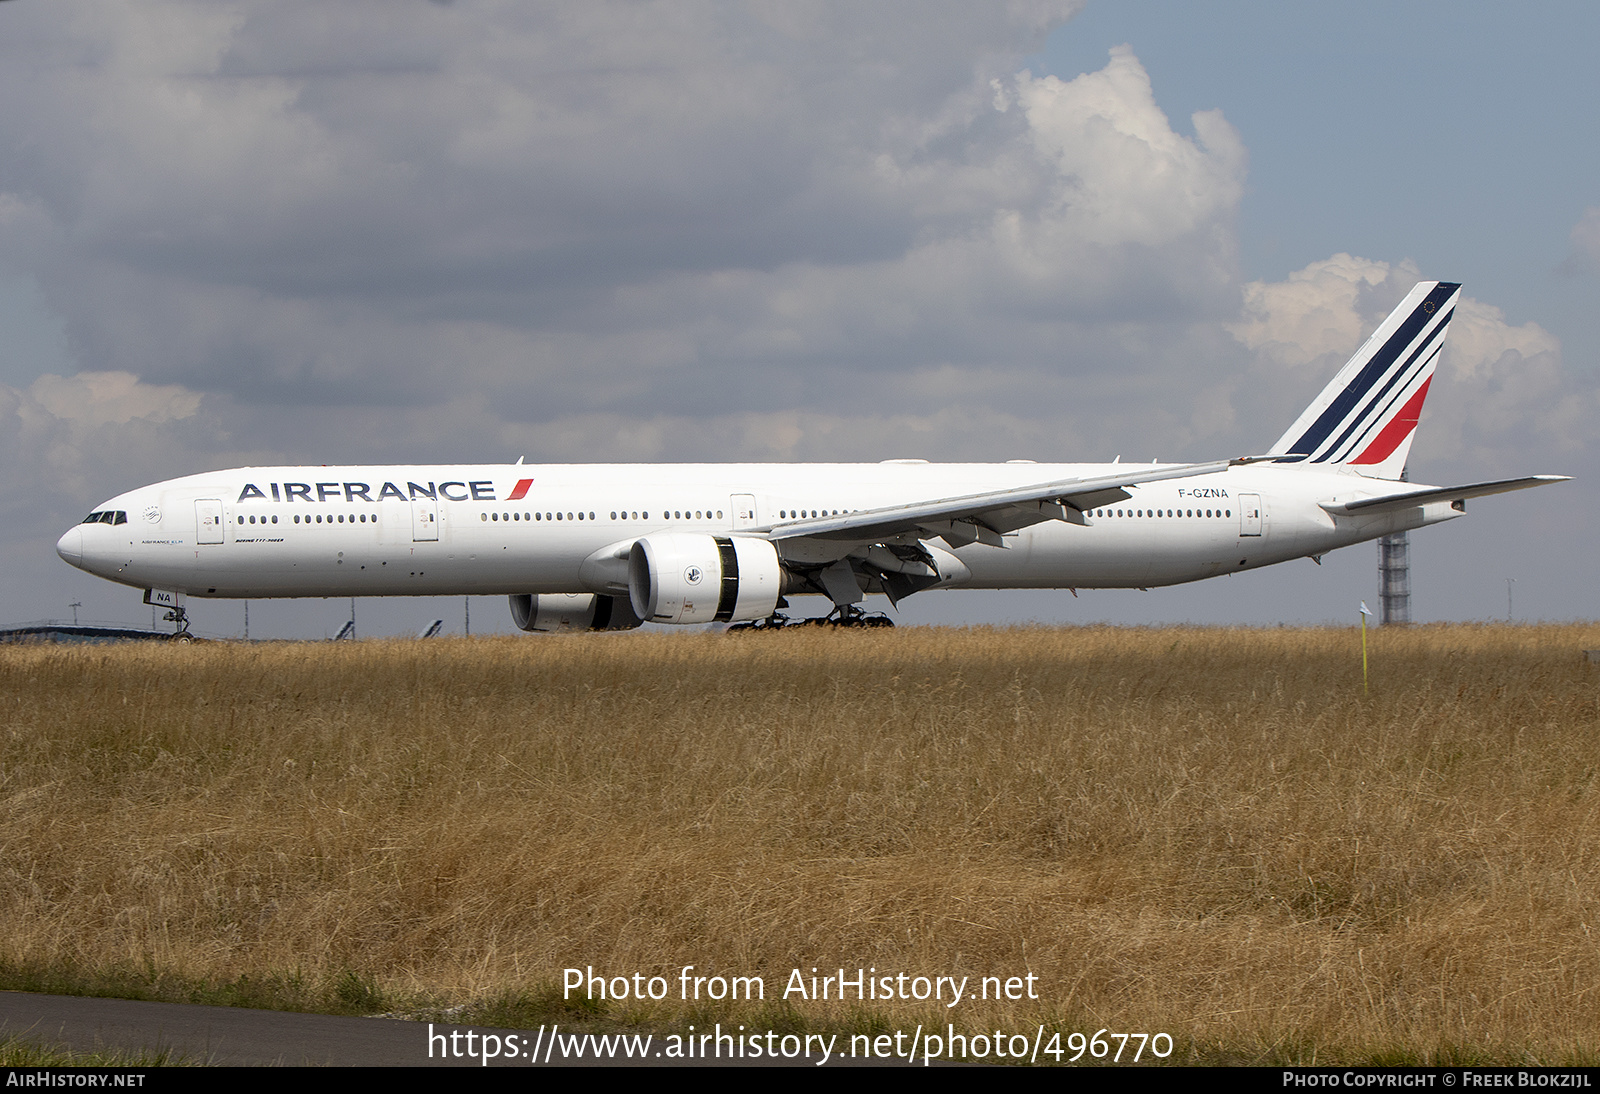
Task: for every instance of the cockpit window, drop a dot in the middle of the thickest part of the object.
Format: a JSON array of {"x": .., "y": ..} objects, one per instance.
[
  {"x": 122, "y": 517},
  {"x": 107, "y": 516},
  {"x": 93, "y": 518}
]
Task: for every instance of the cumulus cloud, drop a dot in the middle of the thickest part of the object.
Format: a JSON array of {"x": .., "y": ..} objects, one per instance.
[
  {"x": 1316, "y": 314},
  {"x": 629, "y": 209},
  {"x": 61, "y": 436},
  {"x": 1128, "y": 178},
  {"x": 102, "y": 398}
]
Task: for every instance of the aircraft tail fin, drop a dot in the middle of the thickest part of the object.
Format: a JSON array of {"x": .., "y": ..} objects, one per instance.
[{"x": 1367, "y": 415}]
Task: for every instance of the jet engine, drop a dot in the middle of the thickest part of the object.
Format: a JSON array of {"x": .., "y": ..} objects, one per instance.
[
  {"x": 572, "y": 612},
  {"x": 681, "y": 577}
]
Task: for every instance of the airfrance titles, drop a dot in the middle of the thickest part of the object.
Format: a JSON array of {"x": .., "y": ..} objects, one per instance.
[{"x": 479, "y": 490}]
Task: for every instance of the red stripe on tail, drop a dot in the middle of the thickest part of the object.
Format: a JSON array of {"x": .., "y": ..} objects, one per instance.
[{"x": 1398, "y": 429}]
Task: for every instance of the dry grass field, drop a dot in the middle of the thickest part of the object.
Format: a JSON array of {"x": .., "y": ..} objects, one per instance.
[{"x": 1212, "y": 833}]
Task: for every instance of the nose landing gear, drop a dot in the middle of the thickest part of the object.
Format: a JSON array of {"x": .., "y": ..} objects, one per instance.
[{"x": 180, "y": 616}]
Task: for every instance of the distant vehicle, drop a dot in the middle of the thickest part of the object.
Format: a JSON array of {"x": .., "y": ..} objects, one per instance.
[{"x": 607, "y": 546}]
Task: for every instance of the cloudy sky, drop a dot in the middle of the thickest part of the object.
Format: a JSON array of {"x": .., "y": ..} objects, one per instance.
[{"x": 284, "y": 232}]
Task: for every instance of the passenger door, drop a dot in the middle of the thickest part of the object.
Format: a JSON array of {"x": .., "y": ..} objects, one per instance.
[
  {"x": 1249, "y": 514},
  {"x": 424, "y": 520},
  {"x": 744, "y": 510},
  {"x": 208, "y": 520}
]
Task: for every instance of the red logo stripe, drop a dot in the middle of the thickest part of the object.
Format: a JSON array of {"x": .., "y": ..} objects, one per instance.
[
  {"x": 1398, "y": 429},
  {"x": 521, "y": 491}
]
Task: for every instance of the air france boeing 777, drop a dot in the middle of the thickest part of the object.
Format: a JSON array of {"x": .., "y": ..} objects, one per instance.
[{"x": 606, "y": 547}]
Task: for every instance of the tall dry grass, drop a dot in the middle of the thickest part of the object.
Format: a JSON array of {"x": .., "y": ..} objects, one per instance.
[{"x": 1209, "y": 832}]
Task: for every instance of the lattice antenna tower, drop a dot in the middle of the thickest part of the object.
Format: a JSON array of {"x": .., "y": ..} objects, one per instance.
[{"x": 1394, "y": 574}]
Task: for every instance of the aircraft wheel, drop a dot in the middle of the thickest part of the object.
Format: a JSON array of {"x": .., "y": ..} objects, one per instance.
[{"x": 183, "y": 639}]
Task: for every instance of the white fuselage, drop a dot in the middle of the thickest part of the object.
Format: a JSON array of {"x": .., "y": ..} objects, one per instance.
[{"x": 514, "y": 529}]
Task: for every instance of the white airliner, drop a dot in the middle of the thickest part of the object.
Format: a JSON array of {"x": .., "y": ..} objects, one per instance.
[{"x": 605, "y": 547}]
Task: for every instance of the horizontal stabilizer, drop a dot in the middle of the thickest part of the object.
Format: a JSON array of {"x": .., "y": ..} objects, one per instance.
[{"x": 1412, "y": 498}]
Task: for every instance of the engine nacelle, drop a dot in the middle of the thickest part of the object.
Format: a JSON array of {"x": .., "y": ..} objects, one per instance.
[
  {"x": 572, "y": 612},
  {"x": 682, "y": 577}
]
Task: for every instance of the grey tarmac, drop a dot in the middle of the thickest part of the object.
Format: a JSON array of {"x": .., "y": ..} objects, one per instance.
[{"x": 241, "y": 1037}]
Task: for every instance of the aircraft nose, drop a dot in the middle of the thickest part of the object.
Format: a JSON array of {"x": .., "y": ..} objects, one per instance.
[{"x": 70, "y": 546}]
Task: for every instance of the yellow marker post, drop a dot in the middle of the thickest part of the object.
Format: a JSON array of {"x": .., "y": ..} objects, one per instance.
[{"x": 1364, "y": 614}]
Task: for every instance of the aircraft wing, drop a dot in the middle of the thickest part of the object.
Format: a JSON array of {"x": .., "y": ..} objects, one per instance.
[
  {"x": 970, "y": 518},
  {"x": 1427, "y": 494}
]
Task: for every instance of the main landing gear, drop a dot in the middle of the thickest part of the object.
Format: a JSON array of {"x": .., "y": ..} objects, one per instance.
[
  {"x": 848, "y": 615},
  {"x": 845, "y": 615}
]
